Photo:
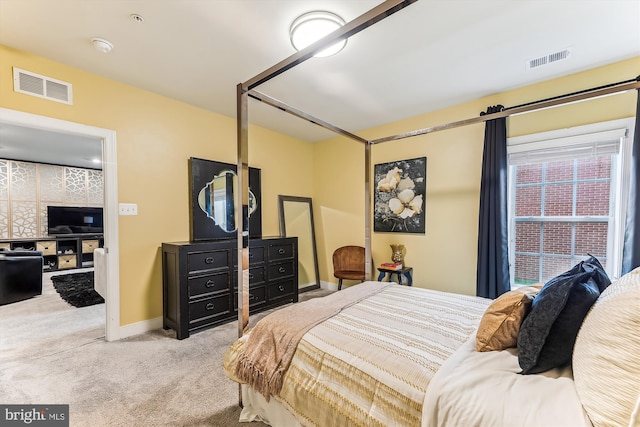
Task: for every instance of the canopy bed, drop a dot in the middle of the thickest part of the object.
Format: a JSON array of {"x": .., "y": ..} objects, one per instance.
[{"x": 379, "y": 354}]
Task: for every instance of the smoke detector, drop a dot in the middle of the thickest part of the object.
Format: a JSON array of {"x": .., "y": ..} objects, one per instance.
[{"x": 102, "y": 45}]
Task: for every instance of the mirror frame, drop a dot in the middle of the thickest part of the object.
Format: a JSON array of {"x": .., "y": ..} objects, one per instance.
[
  {"x": 204, "y": 227},
  {"x": 283, "y": 232}
]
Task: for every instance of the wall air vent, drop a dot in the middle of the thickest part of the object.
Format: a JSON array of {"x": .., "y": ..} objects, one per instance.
[
  {"x": 548, "y": 59},
  {"x": 41, "y": 86}
]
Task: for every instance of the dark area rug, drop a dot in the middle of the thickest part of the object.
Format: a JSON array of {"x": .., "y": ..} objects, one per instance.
[{"x": 77, "y": 289}]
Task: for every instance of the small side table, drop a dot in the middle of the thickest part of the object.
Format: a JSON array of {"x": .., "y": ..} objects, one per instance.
[{"x": 405, "y": 271}]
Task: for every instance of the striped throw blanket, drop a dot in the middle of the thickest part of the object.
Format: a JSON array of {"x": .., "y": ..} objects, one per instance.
[{"x": 273, "y": 341}]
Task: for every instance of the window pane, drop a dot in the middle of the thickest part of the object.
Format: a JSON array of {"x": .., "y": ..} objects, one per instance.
[
  {"x": 528, "y": 237},
  {"x": 591, "y": 238},
  {"x": 559, "y": 171},
  {"x": 527, "y": 269},
  {"x": 557, "y": 238},
  {"x": 594, "y": 167},
  {"x": 529, "y": 174},
  {"x": 593, "y": 198},
  {"x": 553, "y": 266},
  {"x": 558, "y": 200},
  {"x": 528, "y": 201}
]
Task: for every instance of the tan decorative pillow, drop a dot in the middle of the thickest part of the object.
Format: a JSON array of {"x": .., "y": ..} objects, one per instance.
[{"x": 501, "y": 321}]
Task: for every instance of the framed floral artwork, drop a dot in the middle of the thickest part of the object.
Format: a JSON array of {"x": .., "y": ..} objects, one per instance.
[{"x": 399, "y": 196}]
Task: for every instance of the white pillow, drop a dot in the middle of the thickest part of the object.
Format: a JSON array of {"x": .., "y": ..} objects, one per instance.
[{"x": 606, "y": 356}]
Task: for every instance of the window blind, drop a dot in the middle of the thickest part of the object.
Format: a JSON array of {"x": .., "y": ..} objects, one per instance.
[{"x": 567, "y": 148}]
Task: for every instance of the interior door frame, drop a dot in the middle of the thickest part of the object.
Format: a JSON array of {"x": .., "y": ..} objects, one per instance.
[{"x": 110, "y": 173}]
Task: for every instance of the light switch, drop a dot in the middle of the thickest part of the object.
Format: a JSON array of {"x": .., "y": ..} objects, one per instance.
[{"x": 128, "y": 209}]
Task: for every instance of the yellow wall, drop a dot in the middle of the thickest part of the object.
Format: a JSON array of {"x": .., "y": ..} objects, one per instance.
[
  {"x": 445, "y": 257},
  {"x": 155, "y": 137}
]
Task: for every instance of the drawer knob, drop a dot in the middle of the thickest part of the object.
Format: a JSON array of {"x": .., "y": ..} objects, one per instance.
[
  {"x": 210, "y": 306},
  {"x": 208, "y": 260},
  {"x": 281, "y": 251},
  {"x": 250, "y": 255},
  {"x": 282, "y": 269},
  {"x": 250, "y": 276},
  {"x": 210, "y": 284},
  {"x": 281, "y": 288}
]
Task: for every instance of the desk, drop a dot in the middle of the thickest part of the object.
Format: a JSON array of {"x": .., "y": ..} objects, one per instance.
[{"x": 406, "y": 272}]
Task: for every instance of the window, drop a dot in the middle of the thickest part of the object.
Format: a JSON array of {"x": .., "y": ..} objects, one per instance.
[{"x": 565, "y": 199}]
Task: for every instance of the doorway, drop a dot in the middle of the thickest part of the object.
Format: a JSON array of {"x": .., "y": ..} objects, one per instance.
[{"x": 109, "y": 168}]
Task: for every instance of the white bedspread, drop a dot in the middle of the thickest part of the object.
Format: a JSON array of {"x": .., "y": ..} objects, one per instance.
[{"x": 484, "y": 389}]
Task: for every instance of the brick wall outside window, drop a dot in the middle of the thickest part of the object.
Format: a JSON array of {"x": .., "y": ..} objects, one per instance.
[{"x": 568, "y": 188}]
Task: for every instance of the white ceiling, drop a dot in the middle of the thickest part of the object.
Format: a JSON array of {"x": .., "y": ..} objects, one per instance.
[{"x": 431, "y": 55}]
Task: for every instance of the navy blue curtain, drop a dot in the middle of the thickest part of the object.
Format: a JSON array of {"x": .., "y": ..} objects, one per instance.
[
  {"x": 631, "y": 250},
  {"x": 493, "y": 258}
]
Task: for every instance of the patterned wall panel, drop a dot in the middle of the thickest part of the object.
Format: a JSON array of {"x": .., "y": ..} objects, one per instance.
[
  {"x": 24, "y": 219},
  {"x": 23, "y": 181},
  {"x": 4, "y": 199},
  {"x": 4, "y": 179},
  {"x": 51, "y": 183},
  {"x": 75, "y": 186},
  {"x": 4, "y": 219},
  {"x": 95, "y": 187},
  {"x": 26, "y": 189}
]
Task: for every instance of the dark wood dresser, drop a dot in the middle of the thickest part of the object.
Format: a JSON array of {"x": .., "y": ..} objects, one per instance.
[{"x": 200, "y": 284}]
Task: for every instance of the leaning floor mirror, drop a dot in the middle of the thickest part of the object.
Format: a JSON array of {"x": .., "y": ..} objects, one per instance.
[{"x": 296, "y": 220}]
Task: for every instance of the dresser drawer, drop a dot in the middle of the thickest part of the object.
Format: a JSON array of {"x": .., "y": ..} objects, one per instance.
[
  {"x": 66, "y": 261},
  {"x": 283, "y": 289},
  {"x": 88, "y": 246},
  {"x": 208, "y": 308},
  {"x": 198, "y": 261},
  {"x": 280, "y": 251},
  {"x": 257, "y": 276},
  {"x": 256, "y": 255},
  {"x": 281, "y": 270},
  {"x": 257, "y": 296},
  {"x": 210, "y": 283},
  {"x": 46, "y": 247}
]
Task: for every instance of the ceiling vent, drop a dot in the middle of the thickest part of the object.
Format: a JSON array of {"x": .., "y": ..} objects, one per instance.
[
  {"x": 41, "y": 86},
  {"x": 548, "y": 59}
]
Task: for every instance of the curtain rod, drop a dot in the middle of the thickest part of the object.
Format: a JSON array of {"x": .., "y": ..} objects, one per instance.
[{"x": 582, "y": 95}]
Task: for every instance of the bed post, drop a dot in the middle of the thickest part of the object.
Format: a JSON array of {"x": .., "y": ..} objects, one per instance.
[
  {"x": 242, "y": 205},
  {"x": 367, "y": 211},
  {"x": 242, "y": 201}
]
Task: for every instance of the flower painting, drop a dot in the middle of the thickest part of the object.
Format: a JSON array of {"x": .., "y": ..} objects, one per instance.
[{"x": 399, "y": 196}]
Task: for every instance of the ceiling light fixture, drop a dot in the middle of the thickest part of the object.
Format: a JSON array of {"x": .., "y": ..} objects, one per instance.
[
  {"x": 312, "y": 26},
  {"x": 102, "y": 45}
]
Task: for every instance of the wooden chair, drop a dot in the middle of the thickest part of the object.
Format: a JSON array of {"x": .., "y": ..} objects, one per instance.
[{"x": 348, "y": 263}]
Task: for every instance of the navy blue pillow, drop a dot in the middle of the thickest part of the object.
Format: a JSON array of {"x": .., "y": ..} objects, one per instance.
[{"x": 549, "y": 331}]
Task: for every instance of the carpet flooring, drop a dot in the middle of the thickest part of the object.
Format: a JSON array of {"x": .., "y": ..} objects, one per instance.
[
  {"x": 53, "y": 353},
  {"x": 77, "y": 289}
]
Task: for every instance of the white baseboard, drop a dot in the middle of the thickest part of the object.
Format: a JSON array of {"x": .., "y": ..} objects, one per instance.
[
  {"x": 140, "y": 327},
  {"x": 328, "y": 286}
]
